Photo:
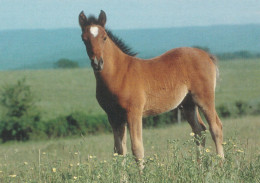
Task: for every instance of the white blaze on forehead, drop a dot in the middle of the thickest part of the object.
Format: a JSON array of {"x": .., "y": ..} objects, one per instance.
[{"x": 94, "y": 31}]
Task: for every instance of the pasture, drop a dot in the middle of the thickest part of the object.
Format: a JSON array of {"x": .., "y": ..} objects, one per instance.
[
  {"x": 170, "y": 153},
  {"x": 60, "y": 92},
  {"x": 170, "y": 156}
]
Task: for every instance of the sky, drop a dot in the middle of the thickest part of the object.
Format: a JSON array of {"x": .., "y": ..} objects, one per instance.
[{"x": 127, "y": 14}]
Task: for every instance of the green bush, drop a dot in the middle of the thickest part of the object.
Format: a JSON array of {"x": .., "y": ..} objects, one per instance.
[
  {"x": 77, "y": 123},
  {"x": 237, "y": 109},
  {"x": 17, "y": 99},
  {"x": 223, "y": 111},
  {"x": 57, "y": 127},
  {"x": 255, "y": 110},
  {"x": 97, "y": 124},
  {"x": 80, "y": 123},
  {"x": 162, "y": 119},
  {"x": 148, "y": 121},
  {"x": 242, "y": 108},
  {"x": 25, "y": 124},
  {"x": 13, "y": 128},
  {"x": 21, "y": 113},
  {"x": 65, "y": 64}
]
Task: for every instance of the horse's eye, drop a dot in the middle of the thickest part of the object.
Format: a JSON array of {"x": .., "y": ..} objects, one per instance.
[
  {"x": 83, "y": 39},
  {"x": 105, "y": 38},
  {"x": 86, "y": 41}
]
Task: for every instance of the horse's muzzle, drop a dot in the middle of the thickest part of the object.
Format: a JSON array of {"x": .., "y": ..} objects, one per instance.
[{"x": 96, "y": 64}]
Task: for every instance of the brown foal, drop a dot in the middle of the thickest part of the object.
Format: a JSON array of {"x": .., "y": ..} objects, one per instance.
[{"x": 129, "y": 88}]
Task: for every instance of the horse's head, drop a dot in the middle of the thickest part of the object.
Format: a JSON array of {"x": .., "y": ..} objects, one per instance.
[{"x": 94, "y": 37}]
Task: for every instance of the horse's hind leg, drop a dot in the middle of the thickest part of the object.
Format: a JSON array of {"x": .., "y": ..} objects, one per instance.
[
  {"x": 217, "y": 134},
  {"x": 207, "y": 105},
  {"x": 215, "y": 127},
  {"x": 193, "y": 117}
]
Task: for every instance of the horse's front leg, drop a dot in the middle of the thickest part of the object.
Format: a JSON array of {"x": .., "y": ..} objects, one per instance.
[
  {"x": 119, "y": 131},
  {"x": 134, "y": 120}
]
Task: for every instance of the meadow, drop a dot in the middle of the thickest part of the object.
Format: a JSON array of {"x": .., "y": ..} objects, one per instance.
[
  {"x": 60, "y": 92},
  {"x": 170, "y": 156},
  {"x": 170, "y": 153}
]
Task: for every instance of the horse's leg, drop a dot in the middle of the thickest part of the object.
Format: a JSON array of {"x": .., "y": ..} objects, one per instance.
[
  {"x": 193, "y": 117},
  {"x": 120, "y": 139},
  {"x": 207, "y": 105},
  {"x": 119, "y": 131},
  {"x": 215, "y": 127},
  {"x": 135, "y": 128}
]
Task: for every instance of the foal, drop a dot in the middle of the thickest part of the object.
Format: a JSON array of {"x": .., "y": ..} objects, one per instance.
[{"x": 129, "y": 88}]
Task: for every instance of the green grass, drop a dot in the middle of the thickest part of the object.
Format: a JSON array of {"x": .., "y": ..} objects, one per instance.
[
  {"x": 60, "y": 92},
  {"x": 170, "y": 153},
  {"x": 170, "y": 156},
  {"x": 239, "y": 80}
]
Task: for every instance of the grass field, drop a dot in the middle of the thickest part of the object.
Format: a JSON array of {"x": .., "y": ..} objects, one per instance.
[
  {"x": 239, "y": 80},
  {"x": 170, "y": 156},
  {"x": 170, "y": 152},
  {"x": 59, "y": 92}
]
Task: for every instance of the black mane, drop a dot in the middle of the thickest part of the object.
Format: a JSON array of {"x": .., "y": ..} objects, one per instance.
[{"x": 119, "y": 42}]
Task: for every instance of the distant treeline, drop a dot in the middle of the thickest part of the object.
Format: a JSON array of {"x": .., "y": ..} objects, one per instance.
[
  {"x": 65, "y": 63},
  {"x": 242, "y": 54},
  {"x": 237, "y": 55}
]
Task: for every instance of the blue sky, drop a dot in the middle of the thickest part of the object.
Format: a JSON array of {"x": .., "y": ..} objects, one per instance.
[{"x": 128, "y": 14}]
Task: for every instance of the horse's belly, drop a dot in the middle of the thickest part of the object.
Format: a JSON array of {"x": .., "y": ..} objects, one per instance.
[
  {"x": 158, "y": 108},
  {"x": 163, "y": 102}
]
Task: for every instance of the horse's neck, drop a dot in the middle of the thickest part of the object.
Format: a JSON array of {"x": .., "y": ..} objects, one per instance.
[{"x": 115, "y": 66}]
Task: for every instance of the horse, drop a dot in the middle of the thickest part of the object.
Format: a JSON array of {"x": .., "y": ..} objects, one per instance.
[{"x": 130, "y": 88}]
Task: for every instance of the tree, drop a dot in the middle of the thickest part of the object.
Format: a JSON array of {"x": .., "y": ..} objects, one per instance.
[
  {"x": 21, "y": 112},
  {"x": 65, "y": 63}
]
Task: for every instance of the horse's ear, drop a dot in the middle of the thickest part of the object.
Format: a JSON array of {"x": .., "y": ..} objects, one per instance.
[
  {"x": 82, "y": 20},
  {"x": 102, "y": 18}
]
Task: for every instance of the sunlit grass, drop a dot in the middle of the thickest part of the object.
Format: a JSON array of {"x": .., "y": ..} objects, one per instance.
[
  {"x": 170, "y": 156},
  {"x": 59, "y": 92},
  {"x": 239, "y": 80}
]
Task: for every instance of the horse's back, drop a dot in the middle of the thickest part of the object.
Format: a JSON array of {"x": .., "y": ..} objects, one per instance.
[
  {"x": 186, "y": 55},
  {"x": 197, "y": 67},
  {"x": 191, "y": 63},
  {"x": 182, "y": 63}
]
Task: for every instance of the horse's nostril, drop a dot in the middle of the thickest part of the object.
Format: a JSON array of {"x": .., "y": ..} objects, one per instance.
[
  {"x": 101, "y": 61},
  {"x": 97, "y": 64},
  {"x": 95, "y": 61}
]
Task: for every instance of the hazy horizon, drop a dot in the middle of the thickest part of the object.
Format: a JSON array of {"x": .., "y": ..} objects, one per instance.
[
  {"x": 122, "y": 29},
  {"x": 134, "y": 14}
]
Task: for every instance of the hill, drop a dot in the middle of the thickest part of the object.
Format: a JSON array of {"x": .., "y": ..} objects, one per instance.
[{"x": 39, "y": 49}]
